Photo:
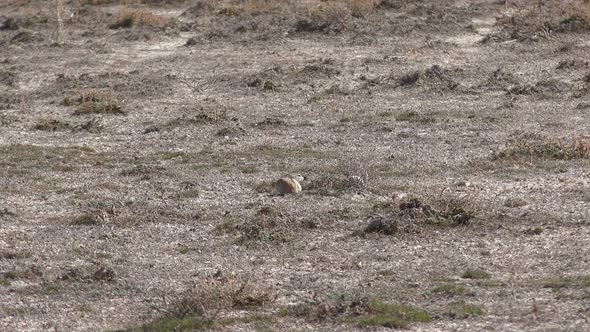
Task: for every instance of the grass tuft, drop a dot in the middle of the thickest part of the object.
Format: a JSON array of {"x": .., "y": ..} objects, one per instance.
[{"x": 392, "y": 315}]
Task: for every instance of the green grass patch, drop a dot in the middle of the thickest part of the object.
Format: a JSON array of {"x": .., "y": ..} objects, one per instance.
[
  {"x": 392, "y": 315},
  {"x": 175, "y": 324}
]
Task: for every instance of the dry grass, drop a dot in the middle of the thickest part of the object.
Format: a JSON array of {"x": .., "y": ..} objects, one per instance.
[
  {"x": 127, "y": 18},
  {"x": 533, "y": 146},
  {"x": 95, "y": 101},
  {"x": 183, "y": 186}
]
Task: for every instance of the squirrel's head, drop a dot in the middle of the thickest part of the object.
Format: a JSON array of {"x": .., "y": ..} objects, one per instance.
[{"x": 297, "y": 177}]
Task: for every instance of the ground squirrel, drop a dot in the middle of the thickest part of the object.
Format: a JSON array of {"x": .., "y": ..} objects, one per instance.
[{"x": 289, "y": 185}]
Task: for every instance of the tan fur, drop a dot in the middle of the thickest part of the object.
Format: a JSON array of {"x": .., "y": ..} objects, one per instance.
[{"x": 288, "y": 185}]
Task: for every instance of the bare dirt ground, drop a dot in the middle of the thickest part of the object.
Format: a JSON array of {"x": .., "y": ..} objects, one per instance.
[{"x": 445, "y": 146}]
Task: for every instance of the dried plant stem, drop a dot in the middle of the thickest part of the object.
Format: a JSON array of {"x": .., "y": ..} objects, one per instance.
[{"x": 59, "y": 11}]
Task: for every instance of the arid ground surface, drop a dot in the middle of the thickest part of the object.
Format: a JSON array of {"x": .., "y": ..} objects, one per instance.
[{"x": 445, "y": 146}]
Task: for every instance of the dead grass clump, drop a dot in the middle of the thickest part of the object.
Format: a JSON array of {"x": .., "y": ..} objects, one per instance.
[
  {"x": 416, "y": 117},
  {"x": 542, "y": 88},
  {"x": 541, "y": 19},
  {"x": 451, "y": 210},
  {"x": 572, "y": 282},
  {"x": 265, "y": 187},
  {"x": 51, "y": 125},
  {"x": 462, "y": 310},
  {"x": 198, "y": 307},
  {"x": 272, "y": 122},
  {"x": 407, "y": 214},
  {"x": 476, "y": 274},
  {"x": 361, "y": 8},
  {"x": 95, "y": 102},
  {"x": 13, "y": 254},
  {"x": 382, "y": 225},
  {"x": 202, "y": 116},
  {"x": 127, "y": 19},
  {"x": 87, "y": 219},
  {"x": 326, "y": 17},
  {"x": 360, "y": 311},
  {"x": 330, "y": 307},
  {"x": 329, "y": 184},
  {"x": 265, "y": 228},
  {"x": 435, "y": 77},
  {"x": 30, "y": 273},
  {"x": 230, "y": 11},
  {"x": 535, "y": 146},
  {"x": 56, "y": 158}
]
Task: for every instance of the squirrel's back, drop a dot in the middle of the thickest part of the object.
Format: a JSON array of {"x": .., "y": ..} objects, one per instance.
[{"x": 287, "y": 185}]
